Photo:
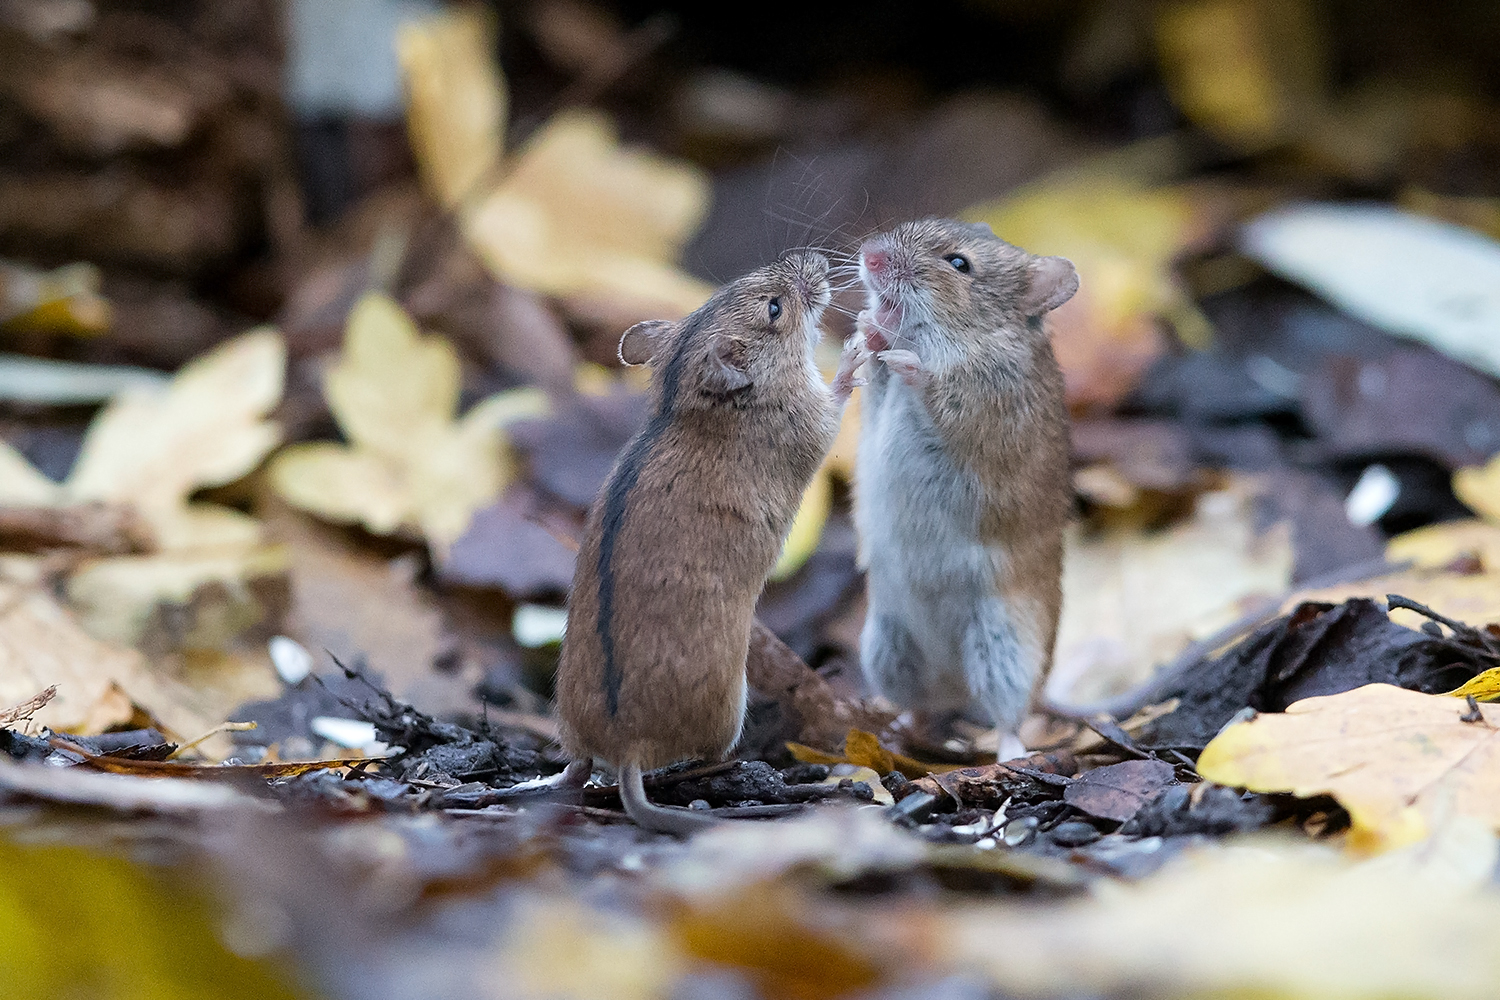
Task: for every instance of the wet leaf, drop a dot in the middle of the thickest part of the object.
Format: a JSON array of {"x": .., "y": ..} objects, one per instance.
[
  {"x": 1399, "y": 761},
  {"x": 1118, "y": 791},
  {"x": 410, "y": 462}
]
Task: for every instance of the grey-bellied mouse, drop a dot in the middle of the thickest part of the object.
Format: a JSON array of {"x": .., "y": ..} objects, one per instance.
[
  {"x": 687, "y": 526},
  {"x": 962, "y": 488}
]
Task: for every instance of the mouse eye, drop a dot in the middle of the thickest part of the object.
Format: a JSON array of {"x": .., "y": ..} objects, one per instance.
[
  {"x": 773, "y": 308},
  {"x": 959, "y": 262}
]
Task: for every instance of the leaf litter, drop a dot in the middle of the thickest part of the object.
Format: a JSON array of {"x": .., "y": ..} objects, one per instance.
[{"x": 1230, "y": 421}]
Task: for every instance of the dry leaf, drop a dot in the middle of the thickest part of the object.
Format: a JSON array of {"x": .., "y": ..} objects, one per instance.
[
  {"x": 100, "y": 685},
  {"x": 1123, "y": 236},
  {"x": 409, "y": 463},
  {"x": 1479, "y": 489},
  {"x": 1399, "y": 761},
  {"x": 1132, "y": 601},
  {"x": 863, "y": 749},
  {"x": 1261, "y": 919},
  {"x": 151, "y": 450},
  {"x": 1469, "y": 597},
  {"x": 1481, "y": 687},
  {"x": 1441, "y": 545},
  {"x": 456, "y": 101},
  {"x": 578, "y": 216},
  {"x": 1248, "y": 71}
]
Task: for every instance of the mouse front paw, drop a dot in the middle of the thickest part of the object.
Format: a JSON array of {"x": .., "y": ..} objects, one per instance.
[
  {"x": 851, "y": 359},
  {"x": 865, "y": 328},
  {"x": 907, "y": 366}
]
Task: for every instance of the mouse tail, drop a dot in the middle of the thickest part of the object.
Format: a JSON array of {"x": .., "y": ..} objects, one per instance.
[{"x": 659, "y": 819}]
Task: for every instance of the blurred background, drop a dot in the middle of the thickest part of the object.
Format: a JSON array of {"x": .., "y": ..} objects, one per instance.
[{"x": 1283, "y": 212}]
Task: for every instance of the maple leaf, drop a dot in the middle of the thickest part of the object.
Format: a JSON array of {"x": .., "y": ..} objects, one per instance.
[
  {"x": 410, "y": 463},
  {"x": 1399, "y": 761}
]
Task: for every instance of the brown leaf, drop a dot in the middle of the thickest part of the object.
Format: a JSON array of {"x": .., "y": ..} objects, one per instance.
[
  {"x": 1117, "y": 791},
  {"x": 27, "y": 708},
  {"x": 822, "y": 717}
]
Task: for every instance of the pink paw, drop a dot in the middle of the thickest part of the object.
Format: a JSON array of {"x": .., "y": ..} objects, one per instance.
[
  {"x": 875, "y": 338},
  {"x": 854, "y": 355},
  {"x": 907, "y": 366}
]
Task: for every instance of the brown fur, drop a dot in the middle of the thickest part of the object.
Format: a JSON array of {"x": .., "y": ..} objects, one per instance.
[
  {"x": 702, "y": 500},
  {"x": 991, "y": 392}
]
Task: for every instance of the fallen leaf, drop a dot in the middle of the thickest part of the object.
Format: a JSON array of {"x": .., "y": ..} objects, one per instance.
[
  {"x": 1399, "y": 761},
  {"x": 1412, "y": 276},
  {"x": 577, "y": 216},
  {"x": 456, "y": 101},
  {"x": 1439, "y": 546},
  {"x": 64, "y": 300},
  {"x": 410, "y": 463},
  {"x": 863, "y": 749},
  {"x": 1118, "y": 791},
  {"x": 1250, "y": 72},
  {"x": 1470, "y": 597},
  {"x": 101, "y": 685},
  {"x": 1123, "y": 236},
  {"x": 1133, "y": 600},
  {"x": 1264, "y": 918},
  {"x": 123, "y": 924},
  {"x": 1484, "y": 687},
  {"x": 1479, "y": 488},
  {"x": 504, "y": 547}
]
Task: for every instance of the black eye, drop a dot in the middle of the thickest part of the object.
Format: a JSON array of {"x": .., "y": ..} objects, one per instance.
[
  {"x": 774, "y": 308},
  {"x": 959, "y": 262}
]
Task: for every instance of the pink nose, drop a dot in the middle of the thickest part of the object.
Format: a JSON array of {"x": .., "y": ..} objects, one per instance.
[{"x": 876, "y": 261}]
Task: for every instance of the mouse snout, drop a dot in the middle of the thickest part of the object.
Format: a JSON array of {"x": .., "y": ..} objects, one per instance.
[
  {"x": 811, "y": 275},
  {"x": 884, "y": 263},
  {"x": 876, "y": 260}
]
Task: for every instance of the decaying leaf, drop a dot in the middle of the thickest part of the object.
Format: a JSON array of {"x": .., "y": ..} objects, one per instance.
[
  {"x": 1123, "y": 236},
  {"x": 456, "y": 102},
  {"x": 864, "y": 750},
  {"x": 410, "y": 463},
  {"x": 1399, "y": 761}
]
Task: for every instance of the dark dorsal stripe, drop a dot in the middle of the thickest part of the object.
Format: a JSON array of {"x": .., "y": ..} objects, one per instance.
[{"x": 617, "y": 493}]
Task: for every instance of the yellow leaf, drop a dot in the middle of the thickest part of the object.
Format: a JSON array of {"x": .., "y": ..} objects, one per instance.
[
  {"x": 129, "y": 932},
  {"x": 576, "y": 216},
  {"x": 66, "y": 300},
  {"x": 206, "y": 429},
  {"x": 1479, "y": 488},
  {"x": 410, "y": 463},
  {"x": 1483, "y": 687},
  {"x": 1440, "y": 545},
  {"x": 456, "y": 102},
  {"x": 1469, "y": 597},
  {"x": 1123, "y": 236},
  {"x": 807, "y": 529},
  {"x": 1248, "y": 71},
  {"x": 1399, "y": 761},
  {"x": 863, "y": 749}
]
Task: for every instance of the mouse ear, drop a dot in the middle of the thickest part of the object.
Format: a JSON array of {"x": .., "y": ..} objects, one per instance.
[
  {"x": 1053, "y": 282},
  {"x": 639, "y": 344},
  {"x": 725, "y": 372},
  {"x": 982, "y": 228}
]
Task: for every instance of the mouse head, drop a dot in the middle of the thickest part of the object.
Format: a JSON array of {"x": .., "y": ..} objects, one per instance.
[
  {"x": 755, "y": 336},
  {"x": 940, "y": 275}
]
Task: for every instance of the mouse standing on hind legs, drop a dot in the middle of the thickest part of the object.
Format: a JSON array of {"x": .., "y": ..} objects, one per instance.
[
  {"x": 687, "y": 526},
  {"x": 962, "y": 485}
]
